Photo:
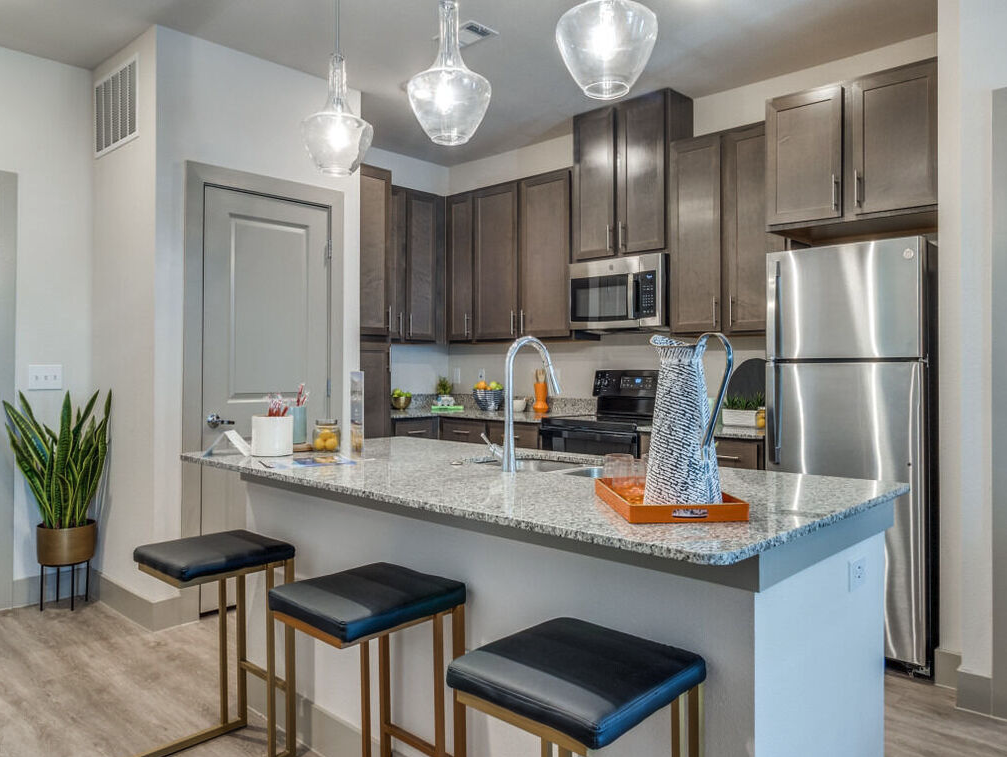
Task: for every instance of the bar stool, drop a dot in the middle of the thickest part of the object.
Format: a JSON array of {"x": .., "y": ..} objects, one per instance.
[
  {"x": 217, "y": 557},
  {"x": 372, "y": 602},
  {"x": 580, "y": 686}
]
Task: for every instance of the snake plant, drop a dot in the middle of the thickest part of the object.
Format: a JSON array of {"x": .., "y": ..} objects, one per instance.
[{"x": 63, "y": 468}]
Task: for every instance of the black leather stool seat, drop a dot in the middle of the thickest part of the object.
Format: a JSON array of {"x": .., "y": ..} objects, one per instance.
[
  {"x": 586, "y": 681},
  {"x": 366, "y": 600},
  {"x": 212, "y": 554}
]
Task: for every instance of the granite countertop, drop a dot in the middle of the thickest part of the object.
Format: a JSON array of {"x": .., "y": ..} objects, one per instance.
[{"x": 419, "y": 474}]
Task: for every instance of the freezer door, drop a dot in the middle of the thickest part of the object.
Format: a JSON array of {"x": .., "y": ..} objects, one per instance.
[
  {"x": 863, "y": 420},
  {"x": 853, "y": 301}
]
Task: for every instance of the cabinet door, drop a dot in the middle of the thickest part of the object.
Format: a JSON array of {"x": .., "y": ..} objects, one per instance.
[
  {"x": 375, "y": 247},
  {"x": 525, "y": 434},
  {"x": 425, "y": 428},
  {"x": 495, "y": 217},
  {"x": 894, "y": 139},
  {"x": 594, "y": 184},
  {"x": 377, "y": 388},
  {"x": 640, "y": 188},
  {"x": 397, "y": 263},
  {"x": 462, "y": 430},
  {"x": 694, "y": 212},
  {"x": 804, "y": 152},
  {"x": 425, "y": 230},
  {"x": 459, "y": 267},
  {"x": 544, "y": 254},
  {"x": 743, "y": 231}
]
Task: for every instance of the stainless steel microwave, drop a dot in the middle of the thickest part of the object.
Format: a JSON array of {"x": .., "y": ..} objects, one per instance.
[{"x": 619, "y": 293}]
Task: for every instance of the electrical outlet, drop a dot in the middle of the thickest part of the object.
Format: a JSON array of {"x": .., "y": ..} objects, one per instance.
[
  {"x": 45, "y": 377},
  {"x": 858, "y": 572},
  {"x": 456, "y": 376},
  {"x": 482, "y": 374}
]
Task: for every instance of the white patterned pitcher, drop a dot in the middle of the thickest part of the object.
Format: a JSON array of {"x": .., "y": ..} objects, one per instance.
[{"x": 683, "y": 459}]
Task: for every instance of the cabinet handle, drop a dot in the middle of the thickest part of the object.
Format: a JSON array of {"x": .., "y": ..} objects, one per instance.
[
  {"x": 410, "y": 334},
  {"x": 856, "y": 187},
  {"x": 521, "y": 316},
  {"x": 732, "y": 458},
  {"x": 399, "y": 332},
  {"x": 512, "y": 326},
  {"x": 417, "y": 432},
  {"x": 715, "y": 313},
  {"x": 608, "y": 237},
  {"x": 460, "y": 432},
  {"x": 389, "y": 319},
  {"x": 730, "y": 311},
  {"x": 465, "y": 325},
  {"x": 835, "y": 192},
  {"x": 622, "y": 236}
]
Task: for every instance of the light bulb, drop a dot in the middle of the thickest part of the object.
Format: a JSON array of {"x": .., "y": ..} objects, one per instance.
[{"x": 603, "y": 41}]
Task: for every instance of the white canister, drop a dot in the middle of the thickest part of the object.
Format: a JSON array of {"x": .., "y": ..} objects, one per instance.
[{"x": 272, "y": 436}]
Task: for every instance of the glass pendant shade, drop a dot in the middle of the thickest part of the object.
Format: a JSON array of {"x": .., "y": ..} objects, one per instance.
[
  {"x": 606, "y": 44},
  {"x": 448, "y": 99},
  {"x": 336, "y": 139}
]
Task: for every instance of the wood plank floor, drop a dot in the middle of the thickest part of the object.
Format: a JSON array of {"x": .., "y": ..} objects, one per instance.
[{"x": 93, "y": 684}]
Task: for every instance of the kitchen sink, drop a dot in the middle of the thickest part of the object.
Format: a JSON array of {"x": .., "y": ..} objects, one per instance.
[
  {"x": 594, "y": 471},
  {"x": 532, "y": 465}
]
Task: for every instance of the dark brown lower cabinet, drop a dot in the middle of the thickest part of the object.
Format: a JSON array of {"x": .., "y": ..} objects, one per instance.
[
  {"x": 462, "y": 430},
  {"x": 421, "y": 427},
  {"x": 374, "y": 362},
  {"x": 525, "y": 434},
  {"x": 741, "y": 453}
]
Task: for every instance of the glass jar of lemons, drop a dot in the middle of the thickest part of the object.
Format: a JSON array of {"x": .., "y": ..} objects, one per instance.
[{"x": 326, "y": 435}]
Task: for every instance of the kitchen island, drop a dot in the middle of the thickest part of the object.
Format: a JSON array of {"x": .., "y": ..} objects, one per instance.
[{"x": 794, "y": 648}]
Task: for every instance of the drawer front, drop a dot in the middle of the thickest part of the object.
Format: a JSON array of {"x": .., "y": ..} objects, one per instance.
[
  {"x": 525, "y": 434},
  {"x": 462, "y": 430},
  {"x": 739, "y": 453},
  {"x": 422, "y": 427}
]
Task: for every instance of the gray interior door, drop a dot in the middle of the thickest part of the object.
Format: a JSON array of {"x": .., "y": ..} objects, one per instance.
[
  {"x": 863, "y": 420},
  {"x": 8, "y": 264},
  {"x": 265, "y": 324}
]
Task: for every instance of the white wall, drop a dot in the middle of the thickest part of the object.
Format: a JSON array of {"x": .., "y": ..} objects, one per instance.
[
  {"x": 973, "y": 64},
  {"x": 411, "y": 172},
  {"x": 515, "y": 164},
  {"x": 45, "y": 140}
]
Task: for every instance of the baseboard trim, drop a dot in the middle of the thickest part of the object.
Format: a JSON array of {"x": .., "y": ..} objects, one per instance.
[
  {"x": 946, "y": 664},
  {"x": 322, "y": 732},
  {"x": 975, "y": 693},
  {"x": 154, "y": 616}
]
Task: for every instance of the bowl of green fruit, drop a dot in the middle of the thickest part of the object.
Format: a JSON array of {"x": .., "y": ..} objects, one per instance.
[
  {"x": 488, "y": 396},
  {"x": 401, "y": 399}
]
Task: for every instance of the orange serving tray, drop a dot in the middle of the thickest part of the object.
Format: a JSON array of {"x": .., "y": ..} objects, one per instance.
[{"x": 732, "y": 510}]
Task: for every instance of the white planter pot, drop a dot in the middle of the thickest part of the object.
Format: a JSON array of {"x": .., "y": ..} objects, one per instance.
[
  {"x": 744, "y": 418},
  {"x": 272, "y": 436}
]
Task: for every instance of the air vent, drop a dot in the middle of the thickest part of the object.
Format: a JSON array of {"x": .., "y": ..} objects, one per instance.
[
  {"x": 471, "y": 32},
  {"x": 115, "y": 109}
]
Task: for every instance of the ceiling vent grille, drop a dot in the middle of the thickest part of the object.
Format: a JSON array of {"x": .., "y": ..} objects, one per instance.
[
  {"x": 115, "y": 109},
  {"x": 471, "y": 32}
]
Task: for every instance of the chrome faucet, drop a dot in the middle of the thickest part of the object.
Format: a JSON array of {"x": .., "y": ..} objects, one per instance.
[{"x": 509, "y": 460}]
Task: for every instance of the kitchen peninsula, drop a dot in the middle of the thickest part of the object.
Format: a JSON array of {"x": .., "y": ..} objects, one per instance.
[{"x": 793, "y": 644}]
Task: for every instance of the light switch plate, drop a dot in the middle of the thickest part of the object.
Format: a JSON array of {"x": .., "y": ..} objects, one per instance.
[
  {"x": 457, "y": 376},
  {"x": 45, "y": 377}
]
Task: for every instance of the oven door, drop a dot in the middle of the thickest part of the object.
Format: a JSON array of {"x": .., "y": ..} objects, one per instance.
[{"x": 588, "y": 441}]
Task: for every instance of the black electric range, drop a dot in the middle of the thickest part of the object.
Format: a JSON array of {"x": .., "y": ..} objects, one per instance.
[{"x": 625, "y": 402}]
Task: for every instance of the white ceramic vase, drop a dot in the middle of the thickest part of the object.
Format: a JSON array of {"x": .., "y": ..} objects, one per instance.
[{"x": 272, "y": 436}]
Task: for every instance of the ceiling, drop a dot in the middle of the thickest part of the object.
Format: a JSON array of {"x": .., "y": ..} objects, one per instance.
[{"x": 703, "y": 46}]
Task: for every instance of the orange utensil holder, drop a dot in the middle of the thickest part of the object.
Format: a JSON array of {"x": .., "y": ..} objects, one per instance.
[{"x": 541, "y": 392}]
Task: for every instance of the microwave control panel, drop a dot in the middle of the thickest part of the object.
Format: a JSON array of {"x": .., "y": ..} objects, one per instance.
[{"x": 645, "y": 284}]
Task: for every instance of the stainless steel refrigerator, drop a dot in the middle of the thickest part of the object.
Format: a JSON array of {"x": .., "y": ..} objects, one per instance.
[{"x": 851, "y": 391}]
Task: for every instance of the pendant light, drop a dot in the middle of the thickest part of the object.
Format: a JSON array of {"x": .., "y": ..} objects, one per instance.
[
  {"x": 448, "y": 99},
  {"x": 606, "y": 44},
  {"x": 335, "y": 138}
]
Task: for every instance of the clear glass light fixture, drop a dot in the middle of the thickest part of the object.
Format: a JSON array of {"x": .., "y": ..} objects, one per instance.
[
  {"x": 335, "y": 138},
  {"x": 448, "y": 99},
  {"x": 606, "y": 44}
]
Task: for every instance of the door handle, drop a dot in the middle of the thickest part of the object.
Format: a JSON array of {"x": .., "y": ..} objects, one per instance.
[{"x": 213, "y": 420}]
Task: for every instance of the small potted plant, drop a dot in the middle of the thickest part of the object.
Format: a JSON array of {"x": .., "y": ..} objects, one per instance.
[
  {"x": 443, "y": 390},
  {"x": 273, "y": 433},
  {"x": 63, "y": 470},
  {"x": 742, "y": 411}
]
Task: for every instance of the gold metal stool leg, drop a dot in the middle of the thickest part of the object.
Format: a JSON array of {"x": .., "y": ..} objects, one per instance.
[
  {"x": 270, "y": 670},
  {"x": 222, "y": 642},
  {"x": 241, "y": 644},
  {"x": 385, "y": 694},
  {"x": 440, "y": 743},
  {"x": 365, "y": 699},
  {"x": 289, "y": 673},
  {"x": 457, "y": 650},
  {"x": 546, "y": 748}
]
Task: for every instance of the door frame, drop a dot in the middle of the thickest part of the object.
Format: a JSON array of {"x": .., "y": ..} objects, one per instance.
[
  {"x": 8, "y": 316},
  {"x": 199, "y": 176}
]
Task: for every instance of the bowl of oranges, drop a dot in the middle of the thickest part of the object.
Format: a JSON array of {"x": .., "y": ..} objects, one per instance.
[{"x": 488, "y": 396}]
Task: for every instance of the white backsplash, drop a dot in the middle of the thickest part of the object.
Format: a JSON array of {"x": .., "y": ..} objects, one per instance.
[{"x": 415, "y": 367}]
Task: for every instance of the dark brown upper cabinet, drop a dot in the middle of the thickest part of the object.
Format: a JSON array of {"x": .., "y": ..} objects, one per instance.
[
  {"x": 418, "y": 251},
  {"x": 459, "y": 268},
  {"x": 694, "y": 230},
  {"x": 804, "y": 156},
  {"x": 620, "y": 174},
  {"x": 893, "y": 138},
  {"x": 495, "y": 244},
  {"x": 744, "y": 241},
  {"x": 544, "y": 254},
  {"x": 375, "y": 250}
]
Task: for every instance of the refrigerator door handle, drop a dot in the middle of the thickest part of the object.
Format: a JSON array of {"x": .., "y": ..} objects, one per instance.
[{"x": 774, "y": 410}]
